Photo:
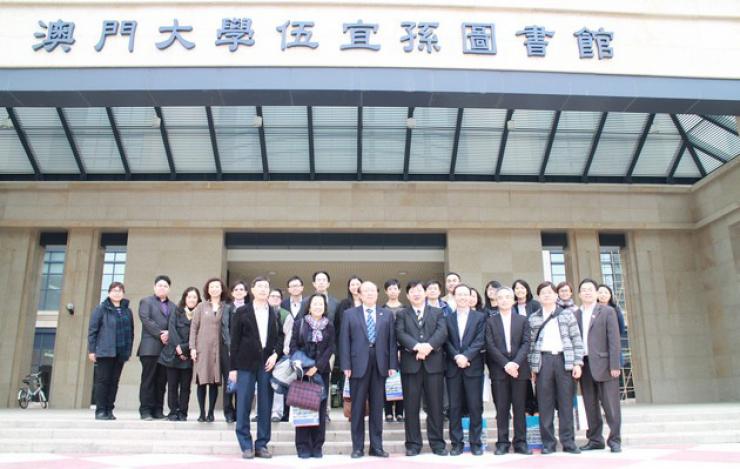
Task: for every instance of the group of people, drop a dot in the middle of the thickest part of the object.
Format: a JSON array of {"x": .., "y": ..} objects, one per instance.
[{"x": 535, "y": 350}]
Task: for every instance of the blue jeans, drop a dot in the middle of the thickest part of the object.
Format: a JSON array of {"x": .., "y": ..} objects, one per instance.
[{"x": 245, "y": 381}]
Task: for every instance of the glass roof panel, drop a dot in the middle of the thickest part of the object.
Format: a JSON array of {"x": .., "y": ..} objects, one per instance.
[
  {"x": 13, "y": 159},
  {"x": 46, "y": 136},
  {"x": 480, "y": 137},
  {"x": 142, "y": 139},
  {"x": 190, "y": 139},
  {"x": 94, "y": 138},
  {"x": 238, "y": 139}
]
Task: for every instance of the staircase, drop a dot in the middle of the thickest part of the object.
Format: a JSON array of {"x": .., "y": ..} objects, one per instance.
[{"x": 75, "y": 431}]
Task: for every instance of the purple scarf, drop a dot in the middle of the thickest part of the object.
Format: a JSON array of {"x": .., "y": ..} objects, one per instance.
[{"x": 316, "y": 327}]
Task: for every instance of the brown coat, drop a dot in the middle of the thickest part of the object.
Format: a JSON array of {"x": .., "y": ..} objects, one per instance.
[{"x": 205, "y": 336}]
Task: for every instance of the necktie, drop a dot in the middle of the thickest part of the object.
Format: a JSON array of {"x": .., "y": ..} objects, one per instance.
[
  {"x": 370, "y": 323},
  {"x": 419, "y": 318}
]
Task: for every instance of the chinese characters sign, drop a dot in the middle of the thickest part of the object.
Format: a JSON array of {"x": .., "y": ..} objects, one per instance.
[{"x": 414, "y": 37}]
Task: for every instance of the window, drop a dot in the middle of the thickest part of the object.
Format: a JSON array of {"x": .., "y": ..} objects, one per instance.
[
  {"x": 611, "y": 272},
  {"x": 114, "y": 268},
  {"x": 553, "y": 263},
  {"x": 52, "y": 275}
]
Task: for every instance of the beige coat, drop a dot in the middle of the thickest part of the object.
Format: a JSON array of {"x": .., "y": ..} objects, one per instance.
[{"x": 205, "y": 334}]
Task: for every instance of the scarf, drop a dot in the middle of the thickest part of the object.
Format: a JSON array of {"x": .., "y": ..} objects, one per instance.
[
  {"x": 316, "y": 327},
  {"x": 188, "y": 313}
]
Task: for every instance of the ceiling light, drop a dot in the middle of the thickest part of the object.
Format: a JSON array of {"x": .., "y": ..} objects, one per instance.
[
  {"x": 7, "y": 123},
  {"x": 156, "y": 122},
  {"x": 411, "y": 123},
  {"x": 257, "y": 121}
]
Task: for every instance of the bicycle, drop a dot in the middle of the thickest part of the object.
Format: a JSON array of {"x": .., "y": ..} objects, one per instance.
[{"x": 32, "y": 391}]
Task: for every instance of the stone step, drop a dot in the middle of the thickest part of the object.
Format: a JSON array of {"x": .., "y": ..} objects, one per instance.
[
  {"x": 212, "y": 432},
  {"x": 75, "y": 446}
]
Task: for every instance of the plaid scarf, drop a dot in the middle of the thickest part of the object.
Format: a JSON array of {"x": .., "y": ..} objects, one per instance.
[{"x": 317, "y": 326}]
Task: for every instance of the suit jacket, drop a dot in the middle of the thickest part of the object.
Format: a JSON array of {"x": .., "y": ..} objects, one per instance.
[
  {"x": 433, "y": 331},
  {"x": 246, "y": 352},
  {"x": 332, "y": 304},
  {"x": 496, "y": 353},
  {"x": 473, "y": 342},
  {"x": 530, "y": 306},
  {"x": 604, "y": 343},
  {"x": 321, "y": 351},
  {"x": 153, "y": 321},
  {"x": 354, "y": 344}
]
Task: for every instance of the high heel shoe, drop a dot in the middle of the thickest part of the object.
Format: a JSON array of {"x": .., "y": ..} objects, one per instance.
[
  {"x": 202, "y": 418},
  {"x": 210, "y": 417}
]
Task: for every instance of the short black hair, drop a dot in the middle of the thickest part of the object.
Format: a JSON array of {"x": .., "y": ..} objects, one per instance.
[
  {"x": 163, "y": 277},
  {"x": 389, "y": 283},
  {"x": 277, "y": 290},
  {"x": 328, "y": 278},
  {"x": 588, "y": 280},
  {"x": 462, "y": 285},
  {"x": 453, "y": 273},
  {"x": 413, "y": 284},
  {"x": 544, "y": 285},
  {"x": 432, "y": 282},
  {"x": 295, "y": 277},
  {"x": 116, "y": 285},
  {"x": 259, "y": 278}
]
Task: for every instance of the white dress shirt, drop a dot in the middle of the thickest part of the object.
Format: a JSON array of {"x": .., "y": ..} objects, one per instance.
[
  {"x": 551, "y": 341},
  {"x": 462, "y": 320},
  {"x": 586, "y": 313},
  {"x": 506, "y": 319},
  {"x": 295, "y": 307},
  {"x": 522, "y": 309},
  {"x": 262, "y": 315}
]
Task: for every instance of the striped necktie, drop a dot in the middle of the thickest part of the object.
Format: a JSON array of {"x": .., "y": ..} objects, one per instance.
[{"x": 370, "y": 323}]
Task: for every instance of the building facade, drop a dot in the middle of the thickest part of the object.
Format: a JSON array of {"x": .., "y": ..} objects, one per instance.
[{"x": 500, "y": 140}]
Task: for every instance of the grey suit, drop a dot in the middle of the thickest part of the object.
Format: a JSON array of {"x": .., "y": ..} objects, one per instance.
[
  {"x": 597, "y": 384},
  {"x": 153, "y": 374}
]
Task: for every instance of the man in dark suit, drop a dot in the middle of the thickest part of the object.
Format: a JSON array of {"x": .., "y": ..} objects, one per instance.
[
  {"x": 465, "y": 341},
  {"x": 422, "y": 332},
  {"x": 507, "y": 346},
  {"x": 600, "y": 379},
  {"x": 368, "y": 354},
  {"x": 154, "y": 312},
  {"x": 254, "y": 350},
  {"x": 321, "y": 283}
]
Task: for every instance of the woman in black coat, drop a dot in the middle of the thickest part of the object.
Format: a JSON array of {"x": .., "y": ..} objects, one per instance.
[
  {"x": 110, "y": 338},
  {"x": 313, "y": 334},
  {"x": 175, "y": 356}
]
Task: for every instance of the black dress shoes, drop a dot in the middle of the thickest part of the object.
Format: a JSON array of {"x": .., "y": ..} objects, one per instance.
[
  {"x": 263, "y": 453},
  {"x": 412, "y": 452},
  {"x": 158, "y": 416},
  {"x": 230, "y": 419},
  {"x": 356, "y": 454},
  {"x": 456, "y": 451},
  {"x": 573, "y": 450},
  {"x": 210, "y": 418},
  {"x": 547, "y": 451},
  {"x": 476, "y": 451},
  {"x": 591, "y": 446},
  {"x": 101, "y": 416},
  {"x": 501, "y": 450},
  {"x": 616, "y": 448},
  {"x": 202, "y": 418},
  {"x": 441, "y": 452},
  {"x": 526, "y": 451},
  {"x": 378, "y": 453}
]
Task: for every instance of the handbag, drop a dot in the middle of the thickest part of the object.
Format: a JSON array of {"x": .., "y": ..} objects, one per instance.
[
  {"x": 304, "y": 395},
  {"x": 283, "y": 374}
]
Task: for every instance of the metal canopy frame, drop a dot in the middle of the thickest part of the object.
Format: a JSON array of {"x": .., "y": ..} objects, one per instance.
[{"x": 688, "y": 142}]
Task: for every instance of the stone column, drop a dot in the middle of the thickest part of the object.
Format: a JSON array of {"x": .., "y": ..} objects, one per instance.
[
  {"x": 582, "y": 257},
  {"x": 504, "y": 255},
  {"x": 20, "y": 258},
  {"x": 671, "y": 340},
  {"x": 71, "y": 380}
]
